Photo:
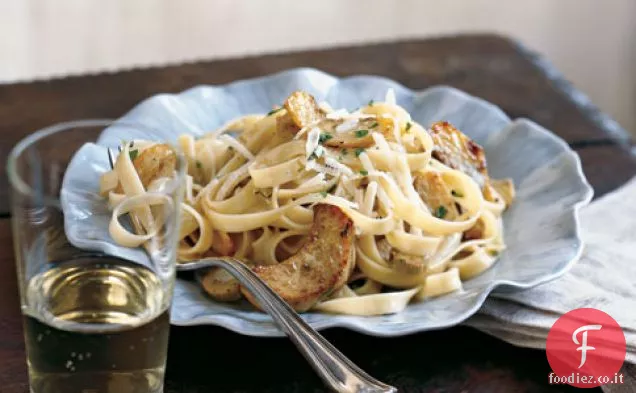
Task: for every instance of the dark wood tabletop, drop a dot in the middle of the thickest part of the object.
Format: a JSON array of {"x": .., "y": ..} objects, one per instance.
[{"x": 210, "y": 359}]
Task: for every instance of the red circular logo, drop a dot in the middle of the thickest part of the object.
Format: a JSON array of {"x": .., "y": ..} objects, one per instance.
[{"x": 586, "y": 348}]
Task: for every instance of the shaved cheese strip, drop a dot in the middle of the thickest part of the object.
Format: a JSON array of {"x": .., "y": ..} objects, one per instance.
[
  {"x": 389, "y": 98},
  {"x": 347, "y": 125},
  {"x": 337, "y": 114},
  {"x": 313, "y": 138}
]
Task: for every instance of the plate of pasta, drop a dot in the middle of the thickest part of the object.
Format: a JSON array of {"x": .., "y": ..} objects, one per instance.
[{"x": 362, "y": 203}]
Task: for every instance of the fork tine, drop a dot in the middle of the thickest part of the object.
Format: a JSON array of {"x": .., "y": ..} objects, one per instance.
[{"x": 111, "y": 158}]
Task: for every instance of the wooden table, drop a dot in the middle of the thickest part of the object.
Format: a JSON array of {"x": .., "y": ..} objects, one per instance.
[{"x": 209, "y": 359}]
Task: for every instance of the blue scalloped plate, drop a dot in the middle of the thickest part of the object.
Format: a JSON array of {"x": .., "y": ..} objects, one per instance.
[{"x": 541, "y": 228}]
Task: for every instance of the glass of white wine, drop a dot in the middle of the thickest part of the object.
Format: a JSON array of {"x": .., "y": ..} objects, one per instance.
[{"x": 93, "y": 323}]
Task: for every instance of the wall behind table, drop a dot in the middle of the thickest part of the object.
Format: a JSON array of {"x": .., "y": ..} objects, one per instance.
[{"x": 593, "y": 42}]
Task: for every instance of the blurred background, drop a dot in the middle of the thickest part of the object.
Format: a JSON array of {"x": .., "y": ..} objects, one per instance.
[{"x": 592, "y": 42}]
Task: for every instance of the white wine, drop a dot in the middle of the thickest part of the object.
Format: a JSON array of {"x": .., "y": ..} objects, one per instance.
[{"x": 97, "y": 325}]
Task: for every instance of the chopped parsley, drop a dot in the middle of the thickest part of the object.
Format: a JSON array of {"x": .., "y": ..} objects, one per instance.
[
  {"x": 361, "y": 133},
  {"x": 199, "y": 165},
  {"x": 324, "y": 137},
  {"x": 440, "y": 212},
  {"x": 374, "y": 125},
  {"x": 274, "y": 111},
  {"x": 493, "y": 253},
  {"x": 323, "y": 193},
  {"x": 408, "y": 126},
  {"x": 364, "y": 172},
  {"x": 133, "y": 154},
  {"x": 371, "y": 102},
  {"x": 359, "y": 151},
  {"x": 457, "y": 194}
]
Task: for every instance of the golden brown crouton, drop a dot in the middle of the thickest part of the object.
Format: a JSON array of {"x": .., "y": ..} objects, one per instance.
[
  {"x": 436, "y": 194},
  {"x": 321, "y": 266},
  {"x": 456, "y": 150}
]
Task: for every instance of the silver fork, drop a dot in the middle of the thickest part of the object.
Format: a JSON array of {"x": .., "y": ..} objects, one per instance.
[{"x": 338, "y": 372}]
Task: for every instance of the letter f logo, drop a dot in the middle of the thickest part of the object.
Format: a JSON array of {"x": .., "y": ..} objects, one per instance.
[{"x": 583, "y": 344}]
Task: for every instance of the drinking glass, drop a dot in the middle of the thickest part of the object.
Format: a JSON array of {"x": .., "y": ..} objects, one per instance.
[{"x": 93, "y": 323}]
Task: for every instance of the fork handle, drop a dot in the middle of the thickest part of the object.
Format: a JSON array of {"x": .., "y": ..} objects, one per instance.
[{"x": 338, "y": 372}]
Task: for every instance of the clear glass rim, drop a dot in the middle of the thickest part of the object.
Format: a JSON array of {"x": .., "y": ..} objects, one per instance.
[{"x": 20, "y": 185}]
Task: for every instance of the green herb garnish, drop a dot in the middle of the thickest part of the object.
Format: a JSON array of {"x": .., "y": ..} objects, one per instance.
[
  {"x": 323, "y": 193},
  {"x": 370, "y": 103},
  {"x": 361, "y": 133},
  {"x": 359, "y": 151},
  {"x": 199, "y": 165},
  {"x": 441, "y": 212},
  {"x": 408, "y": 126},
  {"x": 493, "y": 253},
  {"x": 324, "y": 137},
  {"x": 274, "y": 111},
  {"x": 364, "y": 172},
  {"x": 457, "y": 194},
  {"x": 133, "y": 154},
  {"x": 374, "y": 125}
]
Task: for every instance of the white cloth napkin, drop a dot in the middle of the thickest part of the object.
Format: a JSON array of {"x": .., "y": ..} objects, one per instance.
[{"x": 604, "y": 278}]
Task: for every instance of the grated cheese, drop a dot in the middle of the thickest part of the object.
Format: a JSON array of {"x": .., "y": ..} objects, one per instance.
[
  {"x": 313, "y": 139},
  {"x": 347, "y": 125},
  {"x": 340, "y": 113},
  {"x": 342, "y": 168},
  {"x": 389, "y": 98}
]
